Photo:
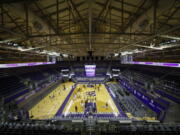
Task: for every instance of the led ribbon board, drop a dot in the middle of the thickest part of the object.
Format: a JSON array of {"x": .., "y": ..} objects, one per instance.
[
  {"x": 155, "y": 64},
  {"x": 90, "y": 70},
  {"x": 13, "y": 65}
]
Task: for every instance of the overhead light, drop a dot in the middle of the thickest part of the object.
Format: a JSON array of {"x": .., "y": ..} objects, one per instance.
[
  {"x": 126, "y": 52},
  {"x": 152, "y": 44},
  {"x": 20, "y": 48},
  {"x": 132, "y": 52},
  {"x": 174, "y": 41},
  {"x": 15, "y": 44},
  {"x": 171, "y": 37},
  {"x": 53, "y": 53},
  {"x": 169, "y": 46},
  {"x": 65, "y": 55},
  {"x": 116, "y": 54}
]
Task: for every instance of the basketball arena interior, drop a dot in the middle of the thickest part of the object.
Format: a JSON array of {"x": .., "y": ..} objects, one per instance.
[{"x": 104, "y": 67}]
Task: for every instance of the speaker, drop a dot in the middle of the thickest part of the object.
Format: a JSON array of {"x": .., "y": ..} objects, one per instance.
[
  {"x": 102, "y": 57},
  {"x": 83, "y": 58},
  {"x": 78, "y": 59},
  {"x": 90, "y": 53},
  {"x": 96, "y": 58}
]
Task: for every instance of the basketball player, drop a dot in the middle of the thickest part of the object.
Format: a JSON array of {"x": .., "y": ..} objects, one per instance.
[
  {"x": 106, "y": 105},
  {"x": 76, "y": 108}
]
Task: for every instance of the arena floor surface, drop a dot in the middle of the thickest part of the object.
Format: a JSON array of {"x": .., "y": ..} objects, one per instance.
[{"x": 95, "y": 95}]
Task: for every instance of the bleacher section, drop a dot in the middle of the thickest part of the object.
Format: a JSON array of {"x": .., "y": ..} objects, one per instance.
[
  {"x": 10, "y": 85},
  {"x": 90, "y": 79},
  {"x": 72, "y": 128},
  {"x": 161, "y": 87},
  {"x": 132, "y": 106},
  {"x": 153, "y": 103},
  {"x": 36, "y": 79},
  {"x": 171, "y": 87},
  {"x": 11, "y": 88},
  {"x": 155, "y": 92}
]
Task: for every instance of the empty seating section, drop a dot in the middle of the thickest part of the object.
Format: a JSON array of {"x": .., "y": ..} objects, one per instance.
[
  {"x": 95, "y": 115},
  {"x": 3, "y": 74},
  {"x": 34, "y": 128},
  {"x": 101, "y": 71},
  {"x": 13, "y": 87},
  {"x": 164, "y": 104},
  {"x": 46, "y": 128},
  {"x": 141, "y": 78},
  {"x": 41, "y": 77},
  {"x": 168, "y": 95},
  {"x": 79, "y": 71},
  {"x": 142, "y": 96},
  {"x": 162, "y": 88},
  {"x": 51, "y": 71},
  {"x": 130, "y": 104},
  {"x": 87, "y": 79},
  {"x": 170, "y": 87},
  {"x": 10, "y": 85},
  {"x": 35, "y": 76}
]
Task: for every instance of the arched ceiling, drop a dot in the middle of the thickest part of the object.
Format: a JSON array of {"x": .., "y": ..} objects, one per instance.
[{"x": 102, "y": 26}]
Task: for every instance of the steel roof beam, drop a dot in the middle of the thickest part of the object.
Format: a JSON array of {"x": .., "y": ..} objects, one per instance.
[
  {"x": 128, "y": 4},
  {"x": 65, "y": 9},
  {"x": 85, "y": 33},
  {"x": 14, "y": 21},
  {"x": 53, "y": 5},
  {"x": 45, "y": 18},
  {"x": 135, "y": 16},
  {"x": 114, "y": 8},
  {"x": 73, "y": 6},
  {"x": 11, "y": 32},
  {"x": 171, "y": 15},
  {"x": 105, "y": 8}
]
